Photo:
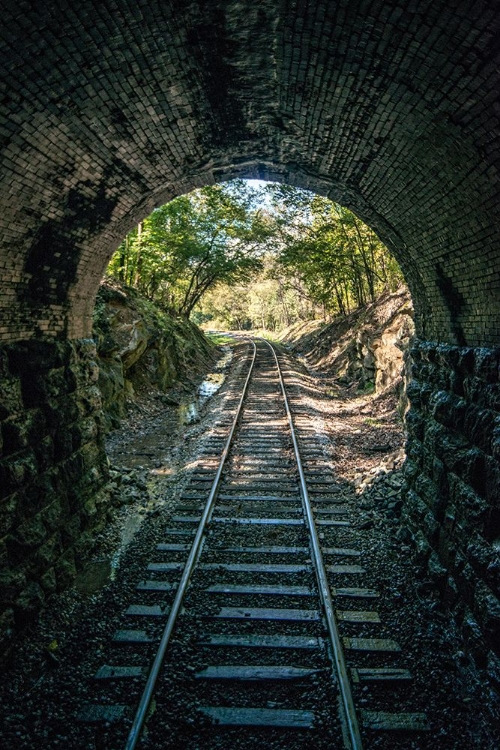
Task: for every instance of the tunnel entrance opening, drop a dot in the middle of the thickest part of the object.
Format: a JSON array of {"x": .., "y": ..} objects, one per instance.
[{"x": 310, "y": 258}]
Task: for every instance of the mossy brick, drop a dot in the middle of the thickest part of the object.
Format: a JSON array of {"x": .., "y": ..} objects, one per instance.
[
  {"x": 71, "y": 530},
  {"x": 48, "y": 581},
  {"x": 85, "y": 431},
  {"x": 439, "y": 476},
  {"x": 65, "y": 570},
  {"x": 7, "y": 625},
  {"x": 61, "y": 411},
  {"x": 46, "y": 554},
  {"x": 430, "y": 527},
  {"x": 84, "y": 350},
  {"x": 474, "y": 638},
  {"x": 448, "y": 410},
  {"x": 32, "y": 532},
  {"x": 447, "y": 357},
  {"x": 28, "y": 604},
  {"x": 40, "y": 387},
  {"x": 489, "y": 398},
  {"x": 445, "y": 548},
  {"x": 428, "y": 491},
  {"x": 71, "y": 470},
  {"x": 437, "y": 571},
  {"x": 487, "y": 365},
  {"x": 415, "y": 423},
  {"x": 38, "y": 356},
  {"x": 471, "y": 469},
  {"x": 480, "y": 394},
  {"x": 492, "y": 524},
  {"x": 89, "y": 510},
  {"x": 471, "y": 505},
  {"x": 413, "y": 391},
  {"x": 63, "y": 443},
  {"x": 52, "y": 515},
  {"x": 486, "y": 607},
  {"x": 12, "y": 582},
  {"x": 83, "y": 545},
  {"x": 411, "y": 471},
  {"x": 17, "y": 471},
  {"x": 495, "y": 439},
  {"x": 480, "y": 554},
  {"x": 91, "y": 454},
  {"x": 451, "y": 595},
  {"x": 89, "y": 401},
  {"x": 414, "y": 449},
  {"x": 8, "y": 513},
  {"x": 449, "y": 446},
  {"x": 44, "y": 453},
  {"x": 23, "y": 430},
  {"x": 422, "y": 548},
  {"x": 466, "y": 579},
  {"x": 466, "y": 361},
  {"x": 11, "y": 397},
  {"x": 34, "y": 496},
  {"x": 478, "y": 427},
  {"x": 4, "y": 551}
]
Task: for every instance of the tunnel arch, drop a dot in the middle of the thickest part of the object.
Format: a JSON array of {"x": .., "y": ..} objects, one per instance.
[
  {"x": 113, "y": 109},
  {"x": 109, "y": 108}
]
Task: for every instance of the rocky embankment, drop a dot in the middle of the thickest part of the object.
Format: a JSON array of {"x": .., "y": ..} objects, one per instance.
[
  {"x": 365, "y": 349},
  {"x": 360, "y": 359},
  {"x": 142, "y": 349}
]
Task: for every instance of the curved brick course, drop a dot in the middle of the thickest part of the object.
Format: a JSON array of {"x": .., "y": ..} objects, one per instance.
[{"x": 112, "y": 107}]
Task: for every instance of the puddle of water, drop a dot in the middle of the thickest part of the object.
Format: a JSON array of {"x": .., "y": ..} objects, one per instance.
[
  {"x": 189, "y": 410},
  {"x": 94, "y": 577},
  {"x": 100, "y": 572}
]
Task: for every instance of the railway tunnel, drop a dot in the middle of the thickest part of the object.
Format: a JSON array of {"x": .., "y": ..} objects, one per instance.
[{"x": 111, "y": 108}]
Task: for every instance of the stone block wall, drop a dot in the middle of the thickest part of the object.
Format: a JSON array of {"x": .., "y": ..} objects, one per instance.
[
  {"x": 53, "y": 471},
  {"x": 452, "y": 492}
]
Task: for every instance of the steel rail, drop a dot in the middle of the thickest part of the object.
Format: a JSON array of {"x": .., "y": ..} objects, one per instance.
[
  {"x": 350, "y": 716},
  {"x": 147, "y": 695}
]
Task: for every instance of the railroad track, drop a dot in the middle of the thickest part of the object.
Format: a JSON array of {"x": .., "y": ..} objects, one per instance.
[{"x": 252, "y": 622}]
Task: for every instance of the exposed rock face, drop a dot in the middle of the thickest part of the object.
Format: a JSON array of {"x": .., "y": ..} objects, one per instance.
[
  {"x": 366, "y": 347},
  {"x": 53, "y": 472},
  {"x": 140, "y": 347},
  {"x": 452, "y": 503}
]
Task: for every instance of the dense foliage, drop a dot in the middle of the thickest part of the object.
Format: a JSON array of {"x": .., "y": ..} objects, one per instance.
[
  {"x": 191, "y": 244},
  {"x": 255, "y": 257}
]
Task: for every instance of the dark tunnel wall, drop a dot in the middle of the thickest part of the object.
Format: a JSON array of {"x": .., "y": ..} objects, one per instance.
[{"x": 109, "y": 108}]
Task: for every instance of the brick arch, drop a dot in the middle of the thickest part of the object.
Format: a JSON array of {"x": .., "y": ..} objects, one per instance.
[{"x": 113, "y": 108}]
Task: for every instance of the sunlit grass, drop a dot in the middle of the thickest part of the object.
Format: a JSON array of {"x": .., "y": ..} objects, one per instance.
[{"x": 219, "y": 339}]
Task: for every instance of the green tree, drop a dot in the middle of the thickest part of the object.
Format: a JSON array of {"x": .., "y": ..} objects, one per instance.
[
  {"x": 193, "y": 243},
  {"x": 263, "y": 258}
]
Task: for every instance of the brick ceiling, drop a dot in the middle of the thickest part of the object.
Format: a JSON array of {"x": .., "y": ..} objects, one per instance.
[{"x": 111, "y": 107}]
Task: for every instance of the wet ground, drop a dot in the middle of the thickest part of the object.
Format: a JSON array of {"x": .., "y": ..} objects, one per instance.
[{"x": 147, "y": 455}]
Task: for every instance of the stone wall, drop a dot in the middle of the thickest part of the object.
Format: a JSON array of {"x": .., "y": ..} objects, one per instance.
[
  {"x": 52, "y": 472},
  {"x": 452, "y": 498}
]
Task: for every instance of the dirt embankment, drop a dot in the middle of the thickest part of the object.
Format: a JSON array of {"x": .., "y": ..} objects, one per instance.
[
  {"x": 142, "y": 349},
  {"x": 365, "y": 349}
]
